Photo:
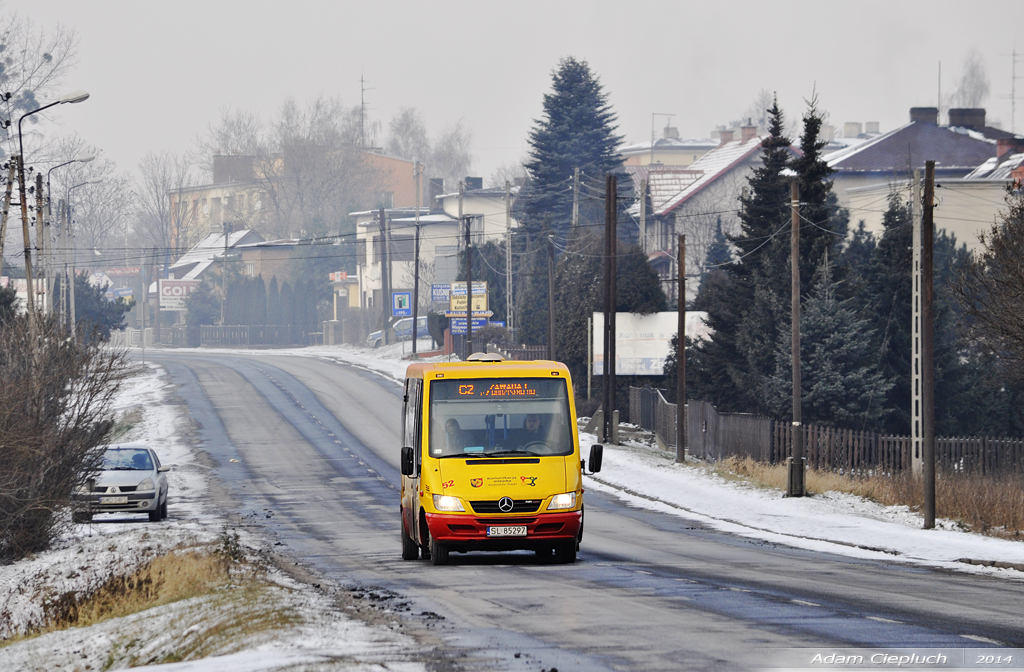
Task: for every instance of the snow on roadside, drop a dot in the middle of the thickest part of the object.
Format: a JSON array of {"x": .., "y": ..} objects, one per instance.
[
  {"x": 832, "y": 522},
  {"x": 119, "y": 544}
]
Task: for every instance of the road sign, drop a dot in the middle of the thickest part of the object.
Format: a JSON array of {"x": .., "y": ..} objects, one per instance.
[
  {"x": 440, "y": 291},
  {"x": 458, "y": 324},
  {"x": 339, "y": 276},
  {"x": 401, "y": 304},
  {"x": 457, "y": 303},
  {"x": 118, "y": 293},
  {"x": 174, "y": 292}
]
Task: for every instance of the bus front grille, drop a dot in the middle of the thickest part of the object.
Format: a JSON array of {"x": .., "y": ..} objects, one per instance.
[{"x": 518, "y": 506}]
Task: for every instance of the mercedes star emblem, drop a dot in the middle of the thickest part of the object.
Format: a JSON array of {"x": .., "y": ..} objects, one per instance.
[{"x": 505, "y": 504}]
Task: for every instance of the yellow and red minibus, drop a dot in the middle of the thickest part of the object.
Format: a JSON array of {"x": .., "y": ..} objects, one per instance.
[{"x": 491, "y": 459}]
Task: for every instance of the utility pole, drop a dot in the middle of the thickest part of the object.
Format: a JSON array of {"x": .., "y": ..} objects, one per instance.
[
  {"x": 12, "y": 166},
  {"x": 509, "y": 283},
  {"x": 608, "y": 401},
  {"x": 223, "y": 280},
  {"x": 643, "y": 214},
  {"x": 417, "y": 169},
  {"x": 613, "y": 211},
  {"x": 551, "y": 297},
  {"x": 915, "y": 328},
  {"x": 41, "y": 243},
  {"x": 795, "y": 485},
  {"x": 928, "y": 346},
  {"x": 469, "y": 286},
  {"x": 385, "y": 293},
  {"x": 71, "y": 255},
  {"x": 23, "y": 197},
  {"x": 157, "y": 272},
  {"x": 63, "y": 238},
  {"x": 575, "y": 198},
  {"x": 681, "y": 357}
]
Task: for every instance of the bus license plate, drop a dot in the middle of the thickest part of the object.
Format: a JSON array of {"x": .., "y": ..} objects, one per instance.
[
  {"x": 507, "y": 531},
  {"x": 113, "y": 500}
]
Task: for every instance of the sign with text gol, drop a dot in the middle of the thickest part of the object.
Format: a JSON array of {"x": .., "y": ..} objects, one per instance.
[{"x": 174, "y": 292}]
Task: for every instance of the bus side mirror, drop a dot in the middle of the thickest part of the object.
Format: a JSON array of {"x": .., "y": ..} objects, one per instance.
[
  {"x": 407, "y": 461},
  {"x": 596, "y": 451}
]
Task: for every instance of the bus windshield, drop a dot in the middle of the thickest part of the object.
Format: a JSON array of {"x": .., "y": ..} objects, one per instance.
[{"x": 499, "y": 416}]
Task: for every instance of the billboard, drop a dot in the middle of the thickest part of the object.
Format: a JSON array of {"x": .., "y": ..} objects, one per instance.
[
  {"x": 642, "y": 341},
  {"x": 174, "y": 292},
  {"x": 458, "y": 324},
  {"x": 458, "y": 296},
  {"x": 440, "y": 292}
]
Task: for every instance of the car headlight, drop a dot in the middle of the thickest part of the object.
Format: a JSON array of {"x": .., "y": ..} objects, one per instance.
[
  {"x": 146, "y": 485},
  {"x": 566, "y": 500},
  {"x": 447, "y": 503},
  {"x": 81, "y": 490}
]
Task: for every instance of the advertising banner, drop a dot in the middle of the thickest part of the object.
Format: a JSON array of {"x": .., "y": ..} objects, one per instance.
[
  {"x": 457, "y": 302},
  {"x": 642, "y": 341},
  {"x": 440, "y": 292},
  {"x": 174, "y": 292},
  {"x": 458, "y": 324}
]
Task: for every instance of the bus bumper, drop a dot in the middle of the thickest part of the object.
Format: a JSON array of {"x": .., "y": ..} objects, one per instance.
[{"x": 469, "y": 532}]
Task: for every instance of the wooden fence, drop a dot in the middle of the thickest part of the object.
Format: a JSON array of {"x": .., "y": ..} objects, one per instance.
[{"x": 711, "y": 435}]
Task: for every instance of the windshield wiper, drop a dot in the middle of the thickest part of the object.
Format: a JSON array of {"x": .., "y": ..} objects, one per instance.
[{"x": 511, "y": 452}]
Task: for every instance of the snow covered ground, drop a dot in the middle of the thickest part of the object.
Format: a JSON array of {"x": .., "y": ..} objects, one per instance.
[{"x": 640, "y": 475}]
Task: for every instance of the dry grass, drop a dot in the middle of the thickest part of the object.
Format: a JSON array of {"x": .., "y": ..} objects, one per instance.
[{"x": 992, "y": 506}]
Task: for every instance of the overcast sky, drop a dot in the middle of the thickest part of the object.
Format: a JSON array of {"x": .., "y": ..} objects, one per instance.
[{"x": 161, "y": 72}]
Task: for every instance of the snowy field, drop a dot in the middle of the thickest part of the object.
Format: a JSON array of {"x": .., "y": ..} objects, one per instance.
[
  {"x": 638, "y": 474},
  {"x": 323, "y": 635}
]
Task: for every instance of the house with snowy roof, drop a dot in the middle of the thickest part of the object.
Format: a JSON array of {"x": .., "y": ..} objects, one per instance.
[
  {"x": 973, "y": 164},
  {"x": 694, "y": 201}
]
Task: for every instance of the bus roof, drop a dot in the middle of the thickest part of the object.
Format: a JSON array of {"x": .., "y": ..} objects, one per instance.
[{"x": 538, "y": 367}]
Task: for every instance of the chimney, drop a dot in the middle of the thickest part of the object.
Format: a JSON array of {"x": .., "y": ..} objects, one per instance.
[
  {"x": 851, "y": 129},
  {"x": 871, "y": 128},
  {"x": 925, "y": 115},
  {"x": 1004, "y": 145},
  {"x": 473, "y": 183},
  {"x": 747, "y": 133},
  {"x": 671, "y": 132},
  {"x": 967, "y": 117},
  {"x": 724, "y": 137},
  {"x": 436, "y": 188},
  {"x": 828, "y": 132}
]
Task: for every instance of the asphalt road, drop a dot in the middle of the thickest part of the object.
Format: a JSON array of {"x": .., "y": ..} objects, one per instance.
[{"x": 316, "y": 446}]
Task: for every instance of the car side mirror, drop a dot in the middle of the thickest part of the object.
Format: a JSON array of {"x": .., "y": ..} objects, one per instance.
[
  {"x": 596, "y": 452},
  {"x": 163, "y": 469},
  {"x": 407, "y": 461}
]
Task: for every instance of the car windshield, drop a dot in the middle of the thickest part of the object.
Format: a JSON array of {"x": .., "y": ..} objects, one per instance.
[
  {"x": 499, "y": 416},
  {"x": 127, "y": 459}
]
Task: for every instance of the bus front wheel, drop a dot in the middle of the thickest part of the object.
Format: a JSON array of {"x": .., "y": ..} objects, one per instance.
[
  {"x": 566, "y": 553},
  {"x": 438, "y": 553}
]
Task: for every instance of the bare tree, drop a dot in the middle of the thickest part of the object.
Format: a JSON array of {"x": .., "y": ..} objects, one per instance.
[
  {"x": 407, "y": 136},
  {"x": 513, "y": 172},
  {"x": 239, "y": 133},
  {"x": 452, "y": 158},
  {"x": 757, "y": 111},
  {"x": 161, "y": 220},
  {"x": 991, "y": 285},
  {"x": 34, "y": 62},
  {"x": 972, "y": 87}
]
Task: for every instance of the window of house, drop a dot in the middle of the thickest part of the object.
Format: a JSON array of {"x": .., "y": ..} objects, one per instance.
[
  {"x": 361, "y": 252},
  {"x": 250, "y": 269},
  {"x": 403, "y": 248}
]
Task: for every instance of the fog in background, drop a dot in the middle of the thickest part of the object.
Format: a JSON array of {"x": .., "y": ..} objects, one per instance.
[{"x": 161, "y": 72}]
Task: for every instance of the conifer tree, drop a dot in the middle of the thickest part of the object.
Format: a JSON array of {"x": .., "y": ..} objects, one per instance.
[
  {"x": 840, "y": 381},
  {"x": 577, "y": 130},
  {"x": 274, "y": 303}
]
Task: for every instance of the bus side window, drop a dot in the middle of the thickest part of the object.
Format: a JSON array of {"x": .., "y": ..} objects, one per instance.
[{"x": 415, "y": 426}]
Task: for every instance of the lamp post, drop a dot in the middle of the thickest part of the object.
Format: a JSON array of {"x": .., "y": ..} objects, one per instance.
[
  {"x": 71, "y": 244},
  {"x": 76, "y": 97},
  {"x": 49, "y": 213}
]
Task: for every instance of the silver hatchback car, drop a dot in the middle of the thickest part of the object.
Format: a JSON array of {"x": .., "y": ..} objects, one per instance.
[{"x": 132, "y": 480}]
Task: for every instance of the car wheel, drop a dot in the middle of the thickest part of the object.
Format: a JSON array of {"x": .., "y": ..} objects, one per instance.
[
  {"x": 81, "y": 517},
  {"x": 154, "y": 515},
  {"x": 163, "y": 509},
  {"x": 410, "y": 550},
  {"x": 566, "y": 553},
  {"x": 438, "y": 553}
]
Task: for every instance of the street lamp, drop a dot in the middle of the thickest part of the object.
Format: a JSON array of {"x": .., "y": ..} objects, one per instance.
[
  {"x": 49, "y": 214},
  {"x": 71, "y": 242},
  {"x": 76, "y": 97}
]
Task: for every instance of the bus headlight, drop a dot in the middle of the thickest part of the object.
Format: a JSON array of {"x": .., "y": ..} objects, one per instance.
[
  {"x": 564, "y": 501},
  {"x": 447, "y": 503}
]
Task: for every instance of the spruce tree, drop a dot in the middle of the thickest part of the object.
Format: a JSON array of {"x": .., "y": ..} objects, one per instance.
[
  {"x": 577, "y": 130},
  {"x": 840, "y": 381},
  {"x": 274, "y": 303}
]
